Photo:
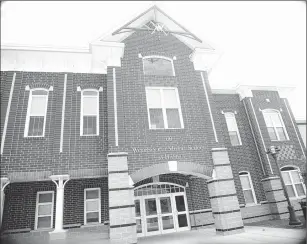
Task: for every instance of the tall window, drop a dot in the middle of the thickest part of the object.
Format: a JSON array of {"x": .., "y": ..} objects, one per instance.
[
  {"x": 155, "y": 65},
  {"x": 164, "y": 111},
  {"x": 89, "y": 113},
  {"x": 294, "y": 184},
  {"x": 275, "y": 125},
  {"x": 36, "y": 114},
  {"x": 233, "y": 130},
  {"x": 92, "y": 206},
  {"x": 248, "y": 189},
  {"x": 44, "y": 210}
]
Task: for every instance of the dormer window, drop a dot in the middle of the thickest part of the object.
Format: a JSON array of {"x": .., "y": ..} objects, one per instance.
[{"x": 156, "y": 65}]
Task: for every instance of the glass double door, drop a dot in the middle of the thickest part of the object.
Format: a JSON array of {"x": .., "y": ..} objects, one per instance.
[{"x": 161, "y": 214}]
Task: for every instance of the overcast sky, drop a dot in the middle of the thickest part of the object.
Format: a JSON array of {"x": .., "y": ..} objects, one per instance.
[{"x": 263, "y": 43}]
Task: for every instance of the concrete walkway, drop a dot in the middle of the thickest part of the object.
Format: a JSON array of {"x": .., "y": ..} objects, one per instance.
[{"x": 252, "y": 234}]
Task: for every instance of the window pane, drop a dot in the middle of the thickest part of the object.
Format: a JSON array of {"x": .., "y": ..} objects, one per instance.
[
  {"x": 36, "y": 126},
  {"x": 290, "y": 191},
  {"x": 44, "y": 222},
  {"x": 281, "y": 133},
  {"x": 45, "y": 197},
  {"x": 170, "y": 98},
  {"x": 300, "y": 189},
  {"x": 248, "y": 196},
  {"x": 231, "y": 122},
  {"x": 272, "y": 133},
  {"x": 295, "y": 176},
  {"x": 158, "y": 66},
  {"x": 182, "y": 220},
  {"x": 153, "y": 98},
  {"x": 152, "y": 224},
  {"x": 92, "y": 194},
  {"x": 45, "y": 209},
  {"x": 89, "y": 125},
  {"x": 39, "y": 92},
  {"x": 38, "y": 105},
  {"x": 234, "y": 139},
  {"x": 92, "y": 206},
  {"x": 138, "y": 226},
  {"x": 267, "y": 119},
  {"x": 156, "y": 118},
  {"x": 150, "y": 206},
  {"x": 276, "y": 119},
  {"x": 92, "y": 217},
  {"x": 137, "y": 208},
  {"x": 286, "y": 177},
  {"x": 245, "y": 182},
  {"x": 90, "y": 105},
  {"x": 173, "y": 118}
]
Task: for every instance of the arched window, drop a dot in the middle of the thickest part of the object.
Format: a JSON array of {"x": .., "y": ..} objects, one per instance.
[
  {"x": 36, "y": 114},
  {"x": 275, "y": 125},
  {"x": 248, "y": 188},
  {"x": 89, "y": 112},
  {"x": 233, "y": 130},
  {"x": 293, "y": 181},
  {"x": 157, "y": 65}
]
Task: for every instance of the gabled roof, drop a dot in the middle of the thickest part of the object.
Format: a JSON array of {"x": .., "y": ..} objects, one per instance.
[{"x": 158, "y": 21}]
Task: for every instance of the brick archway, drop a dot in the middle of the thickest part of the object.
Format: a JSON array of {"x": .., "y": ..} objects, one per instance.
[{"x": 187, "y": 168}]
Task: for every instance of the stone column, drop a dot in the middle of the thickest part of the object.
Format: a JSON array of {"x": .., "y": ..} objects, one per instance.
[
  {"x": 223, "y": 196},
  {"x": 59, "y": 232},
  {"x": 4, "y": 183},
  {"x": 121, "y": 201},
  {"x": 275, "y": 196}
]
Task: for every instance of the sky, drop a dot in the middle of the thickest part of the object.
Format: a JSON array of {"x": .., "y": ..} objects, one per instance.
[{"x": 262, "y": 42}]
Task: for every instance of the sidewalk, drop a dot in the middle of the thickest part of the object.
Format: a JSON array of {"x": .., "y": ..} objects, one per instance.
[{"x": 252, "y": 234}]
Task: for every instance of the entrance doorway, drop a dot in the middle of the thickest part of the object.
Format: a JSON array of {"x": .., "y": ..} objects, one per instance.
[{"x": 161, "y": 208}]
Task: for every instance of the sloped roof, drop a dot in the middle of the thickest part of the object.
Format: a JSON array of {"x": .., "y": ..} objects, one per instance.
[{"x": 159, "y": 21}]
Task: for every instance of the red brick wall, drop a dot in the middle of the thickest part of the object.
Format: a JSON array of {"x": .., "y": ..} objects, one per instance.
[
  {"x": 20, "y": 204},
  {"x": 22, "y": 154},
  {"x": 74, "y": 199},
  {"x": 243, "y": 157},
  {"x": 132, "y": 108},
  {"x": 291, "y": 153}
]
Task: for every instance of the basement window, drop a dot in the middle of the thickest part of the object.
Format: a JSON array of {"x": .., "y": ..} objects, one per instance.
[
  {"x": 293, "y": 181},
  {"x": 248, "y": 188}
]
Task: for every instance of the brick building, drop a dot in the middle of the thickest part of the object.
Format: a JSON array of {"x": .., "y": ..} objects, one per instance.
[{"x": 127, "y": 139}]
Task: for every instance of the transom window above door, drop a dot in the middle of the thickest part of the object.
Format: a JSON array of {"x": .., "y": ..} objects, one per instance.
[
  {"x": 164, "y": 110},
  {"x": 156, "y": 65}
]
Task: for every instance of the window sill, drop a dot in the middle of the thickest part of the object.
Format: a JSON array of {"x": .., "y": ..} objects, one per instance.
[
  {"x": 164, "y": 129},
  {"x": 92, "y": 225},
  {"x": 252, "y": 205},
  {"x": 88, "y": 135},
  {"x": 281, "y": 140},
  {"x": 43, "y": 229},
  {"x": 297, "y": 198}
]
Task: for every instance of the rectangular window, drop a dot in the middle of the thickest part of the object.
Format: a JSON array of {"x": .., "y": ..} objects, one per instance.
[
  {"x": 44, "y": 210},
  {"x": 89, "y": 113},
  {"x": 92, "y": 206},
  {"x": 164, "y": 110},
  {"x": 233, "y": 130},
  {"x": 36, "y": 114},
  {"x": 275, "y": 126},
  {"x": 248, "y": 189}
]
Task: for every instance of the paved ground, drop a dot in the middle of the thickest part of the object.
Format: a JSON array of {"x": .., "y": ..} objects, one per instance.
[
  {"x": 282, "y": 223},
  {"x": 252, "y": 234}
]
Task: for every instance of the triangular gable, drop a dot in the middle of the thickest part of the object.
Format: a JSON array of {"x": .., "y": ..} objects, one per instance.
[{"x": 159, "y": 21}]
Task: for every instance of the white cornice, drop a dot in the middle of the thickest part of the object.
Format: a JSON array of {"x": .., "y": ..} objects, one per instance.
[
  {"x": 246, "y": 90},
  {"x": 223, "y": 91},
  {"x": 204, "y": 59},
  {"x": 44, "y": 48}
]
